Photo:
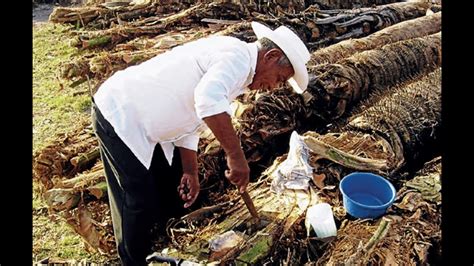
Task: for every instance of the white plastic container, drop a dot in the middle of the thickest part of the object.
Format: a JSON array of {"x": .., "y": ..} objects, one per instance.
[{"x": 322, "y": 220}]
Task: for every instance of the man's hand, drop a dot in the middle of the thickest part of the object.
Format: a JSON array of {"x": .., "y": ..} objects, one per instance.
[
  {"x": 221, "y": 126},
  {"x": 189, "y": 189},
  {"x": 238, "y": 173}
]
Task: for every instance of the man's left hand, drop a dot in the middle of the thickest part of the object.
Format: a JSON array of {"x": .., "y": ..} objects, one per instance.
[{"x": 189, "y": 189}]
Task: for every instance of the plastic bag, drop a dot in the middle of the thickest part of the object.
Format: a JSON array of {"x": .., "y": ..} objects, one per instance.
[{"x": 295, "y": 172}]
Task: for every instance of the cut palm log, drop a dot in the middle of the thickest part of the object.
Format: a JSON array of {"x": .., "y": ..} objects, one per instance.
[
  {"x": 317, "y": 32},
  {"x": 84, "y": 179},
  {"x": 348, "y": 4},
  {"x": 107, "y": 14},
  {"x": 409, "y": 29},
  {"x": 83, "y": 159},
  {"x": 337, "y": 87},
  {"x": 320, "y": 28},
  {"x": 123, "y": 33},
  {"x": 400, "y": 125},
  {"x": 59, "y": 199},
  {"x": 67, "y": 155},
  {"x": 67, "y": 193}
]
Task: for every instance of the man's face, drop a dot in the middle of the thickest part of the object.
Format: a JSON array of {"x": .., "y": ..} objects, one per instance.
[{"x": 269, "y": 74}]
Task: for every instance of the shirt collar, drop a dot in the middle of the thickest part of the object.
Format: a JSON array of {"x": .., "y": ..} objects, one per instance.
[{"x": 253, "y": 51}]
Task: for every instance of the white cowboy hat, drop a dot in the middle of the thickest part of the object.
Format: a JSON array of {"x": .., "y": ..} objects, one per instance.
[{"x": 293, "y": 48}]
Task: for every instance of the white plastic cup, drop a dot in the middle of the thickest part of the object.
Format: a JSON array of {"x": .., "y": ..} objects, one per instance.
[{"x": 322, "y": 220}]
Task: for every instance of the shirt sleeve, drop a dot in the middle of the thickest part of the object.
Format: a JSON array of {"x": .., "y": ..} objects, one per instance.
[
  {"x": 189, "y": 142},
  {"x": 226, "y": 73}
]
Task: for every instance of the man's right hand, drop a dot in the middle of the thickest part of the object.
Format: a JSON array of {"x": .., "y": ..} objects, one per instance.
[
  {"x": 238, "y": 173},
  {"x": 221, "y": 126}
]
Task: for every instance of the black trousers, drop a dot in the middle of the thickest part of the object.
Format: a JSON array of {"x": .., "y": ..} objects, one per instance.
[{"x": 138, "y": 197}]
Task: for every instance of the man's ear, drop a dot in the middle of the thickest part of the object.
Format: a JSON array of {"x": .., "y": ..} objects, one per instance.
[{"x": 273, "y": 55}]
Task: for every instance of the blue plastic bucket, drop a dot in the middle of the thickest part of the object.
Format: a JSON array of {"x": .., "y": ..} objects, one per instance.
[{"x": 366, "y": 195}]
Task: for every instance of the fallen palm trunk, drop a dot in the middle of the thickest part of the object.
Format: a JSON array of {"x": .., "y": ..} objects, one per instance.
[
  {"x": 193, "y": 17},
  {"x": 60, "y": 199},
  {"x": 399, "y": 127},
  {"x": 348, "y": 4},
  {"x": 67, "y": 193},
  {"x": 107, "y": 14},
  {"x": 338, "y": 86},
  {"x": 123, "y": 33},
  {"x": 103, "y": 65},
  {"x": 417, "y": 27},
  {"x": 268, "y": 118},
  {"x": 414, "y": 232},
  {"x": 320, "y": 28},
  {"x": 85, "y": 179},
  {"x": 84, "y": 159},
  {"x": 67, "y": 155},
  {"x": 412, "y": 118},
  {"x": 317, "y": 32}
]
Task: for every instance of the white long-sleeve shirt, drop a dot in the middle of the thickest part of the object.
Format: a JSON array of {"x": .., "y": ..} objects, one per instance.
[{"x": 163, "y": 100}]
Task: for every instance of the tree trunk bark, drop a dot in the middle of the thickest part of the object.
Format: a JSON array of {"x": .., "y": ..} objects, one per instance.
[
  {"x": 356, "y": 23},
  {"x": 409, "y": 29},
  {"x": 407, "y": 117},
  {"x": 54, "y": 161}
]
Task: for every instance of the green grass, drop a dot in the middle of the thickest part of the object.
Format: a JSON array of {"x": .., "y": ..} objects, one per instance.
[
  {"x": 55, "y": 110},
  {"x": 56, "y": 240},
  {"x": 55, "y": 107}
]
